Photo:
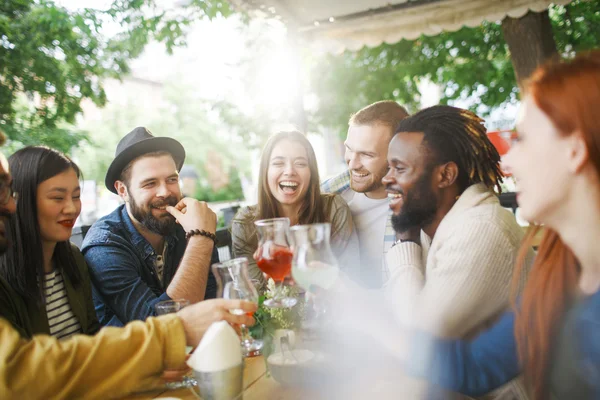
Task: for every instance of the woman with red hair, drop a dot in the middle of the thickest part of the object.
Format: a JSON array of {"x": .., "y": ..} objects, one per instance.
[{"x": 553, "y": 336}]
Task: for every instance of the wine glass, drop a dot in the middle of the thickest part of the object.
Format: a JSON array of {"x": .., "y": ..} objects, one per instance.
[
  {"x": 314, "y": 266},
  {"x": 234, "y": 283},
  {"x": 274, "y": 257},
  {"x": 170, "y": 306}
]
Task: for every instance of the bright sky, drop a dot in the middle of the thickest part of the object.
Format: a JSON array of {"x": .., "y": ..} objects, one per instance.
[
  {"x": 215, "y": 49},
  {"x": 211, "y": 58}
]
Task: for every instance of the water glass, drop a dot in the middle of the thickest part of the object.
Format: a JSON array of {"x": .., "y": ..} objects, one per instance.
[
  {"x": 170, "y": 306},
  {"x": 234, "y": 283}
]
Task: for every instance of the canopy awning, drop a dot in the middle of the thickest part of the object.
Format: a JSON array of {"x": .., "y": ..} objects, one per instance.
[{"x": 351, "y": 24}]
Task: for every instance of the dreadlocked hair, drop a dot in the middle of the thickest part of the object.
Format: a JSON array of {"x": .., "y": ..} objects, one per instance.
[{"x": 455, "y": 135}]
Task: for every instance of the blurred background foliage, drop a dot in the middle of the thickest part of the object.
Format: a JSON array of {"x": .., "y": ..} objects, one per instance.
[
  {"x": 54, "y": 58},
  {"x": 469, "y": 63}
]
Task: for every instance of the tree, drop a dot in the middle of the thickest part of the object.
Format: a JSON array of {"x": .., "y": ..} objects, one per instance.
[
  {"x": 52, "y": 58},
  {"x": 178, "y": 112},
  {"x": 471, "y": 62},
  {"x": 530, "y": 41}
]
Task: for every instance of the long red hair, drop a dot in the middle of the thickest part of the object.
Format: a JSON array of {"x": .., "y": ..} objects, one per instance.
[{"x": 568, "y": 92}]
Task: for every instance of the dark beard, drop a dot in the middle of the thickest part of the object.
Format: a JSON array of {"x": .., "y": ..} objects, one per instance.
[
  {"x": 164, "y": 225},
  {"x": 420, "y": 206}
]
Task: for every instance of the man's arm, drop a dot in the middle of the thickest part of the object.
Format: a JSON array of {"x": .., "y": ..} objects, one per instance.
[
  {"x": 211, "y": 284},
  {"x": 189, "y": 282},
  {"x": 115, "y": 362},
  {"x": 191, "y": 277},
  {"x": 469, "y": 284},
  {"x": 407, "y": 278}
]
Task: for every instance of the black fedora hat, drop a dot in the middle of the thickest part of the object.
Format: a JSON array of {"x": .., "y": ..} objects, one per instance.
[{"x": 137, "y": 143}]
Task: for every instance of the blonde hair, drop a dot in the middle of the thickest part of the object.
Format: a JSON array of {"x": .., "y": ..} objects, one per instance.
[{"x": 386, "y": 112}]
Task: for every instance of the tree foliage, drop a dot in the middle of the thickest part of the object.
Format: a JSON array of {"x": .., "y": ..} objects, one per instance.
[
  {"x": 52, "y": 59},
  {"x": 175, "y": 111},
  {"x": 471, "y": 62}
]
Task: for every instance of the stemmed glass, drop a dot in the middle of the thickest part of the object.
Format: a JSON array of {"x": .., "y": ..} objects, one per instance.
[
  {"x": 234, "y": 283},
  {"x": 314, "y": 264},
  {"x": 170, "y": 306},
  {"x": 274, "y": 257}
]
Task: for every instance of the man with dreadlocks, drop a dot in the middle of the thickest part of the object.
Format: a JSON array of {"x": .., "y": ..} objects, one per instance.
[{"x": 452, "y": 263}]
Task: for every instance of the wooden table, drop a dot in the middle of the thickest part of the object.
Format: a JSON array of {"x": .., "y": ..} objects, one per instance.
[
  {"x": 260, "y": 386},
  {"x": 257, "y": 386}
]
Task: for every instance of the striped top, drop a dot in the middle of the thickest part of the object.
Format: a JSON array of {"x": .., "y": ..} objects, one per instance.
[{"x": 61, "y": 320}]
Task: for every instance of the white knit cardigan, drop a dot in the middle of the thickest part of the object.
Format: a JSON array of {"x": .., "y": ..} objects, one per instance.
[{"x": 457, "y": 284}]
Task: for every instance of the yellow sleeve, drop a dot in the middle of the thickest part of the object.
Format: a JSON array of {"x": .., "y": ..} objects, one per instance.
[{"x": 113, "y": 363}]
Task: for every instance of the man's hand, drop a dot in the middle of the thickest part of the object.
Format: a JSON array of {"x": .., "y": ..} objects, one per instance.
[
  {"x": 198, "y": 317},
  {"x": 412, "y": 235},
  {"x": 193, "y": 214}
]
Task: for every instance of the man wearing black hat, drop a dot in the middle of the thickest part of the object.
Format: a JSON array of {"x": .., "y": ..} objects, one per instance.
[{"x": 157, "y": 246}]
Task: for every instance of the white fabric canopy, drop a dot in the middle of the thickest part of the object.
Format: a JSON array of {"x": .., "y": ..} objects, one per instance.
[{"x": 351, "y": 24}]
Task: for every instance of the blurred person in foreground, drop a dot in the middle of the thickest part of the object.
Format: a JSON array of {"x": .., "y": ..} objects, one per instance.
[
  {"x": 369, "y": 133},
  {"x": 551, "y": 336},
  {"x": 159, "y": 245},
  {"x": 44, "y": 281},
  {"x": 113, "y": 363}
]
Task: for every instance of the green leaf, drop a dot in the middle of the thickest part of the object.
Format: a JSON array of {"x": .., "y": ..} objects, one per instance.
[
  {"x": 57, "y": 58},
  {"x": 469, "y": 62}
]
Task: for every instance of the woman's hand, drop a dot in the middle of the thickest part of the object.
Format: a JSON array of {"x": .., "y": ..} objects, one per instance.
[{"x": 258, "y": 254}]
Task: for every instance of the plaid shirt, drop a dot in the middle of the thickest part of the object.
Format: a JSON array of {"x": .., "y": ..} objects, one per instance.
[{"x": 340, "y": 184}]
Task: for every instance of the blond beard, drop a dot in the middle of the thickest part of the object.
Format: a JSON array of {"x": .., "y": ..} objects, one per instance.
[{"x": 373, "y": 185}]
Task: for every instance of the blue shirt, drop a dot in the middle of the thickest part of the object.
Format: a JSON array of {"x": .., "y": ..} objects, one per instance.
[
  {"x": 125, "y": 284},
  {"x": 477, "y": 367}
]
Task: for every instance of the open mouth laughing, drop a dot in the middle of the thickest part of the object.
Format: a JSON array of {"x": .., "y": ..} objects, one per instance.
[
  {"x": 289, "y": 187},
  {"x": 396, "y": 199},
  {"x": 358, "y": 175}
]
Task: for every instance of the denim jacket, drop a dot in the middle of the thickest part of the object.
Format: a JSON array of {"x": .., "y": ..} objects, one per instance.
[{"x": 121, "y": 261}]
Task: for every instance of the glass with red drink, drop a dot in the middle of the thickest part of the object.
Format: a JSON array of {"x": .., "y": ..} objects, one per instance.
[{"x": 274, "y": 257}]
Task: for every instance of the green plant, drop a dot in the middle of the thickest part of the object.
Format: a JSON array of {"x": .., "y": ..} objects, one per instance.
[{"x": 268, "y": 320}]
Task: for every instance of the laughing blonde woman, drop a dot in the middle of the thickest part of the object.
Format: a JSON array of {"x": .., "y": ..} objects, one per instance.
[{"x": 289, "y": 187}]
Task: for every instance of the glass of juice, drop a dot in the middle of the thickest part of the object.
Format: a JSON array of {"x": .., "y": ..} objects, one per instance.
[{"x": 274, "y": 257}]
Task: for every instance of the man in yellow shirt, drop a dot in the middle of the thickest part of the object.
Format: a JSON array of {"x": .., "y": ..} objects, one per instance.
[{"x": 113, "y": 363}]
